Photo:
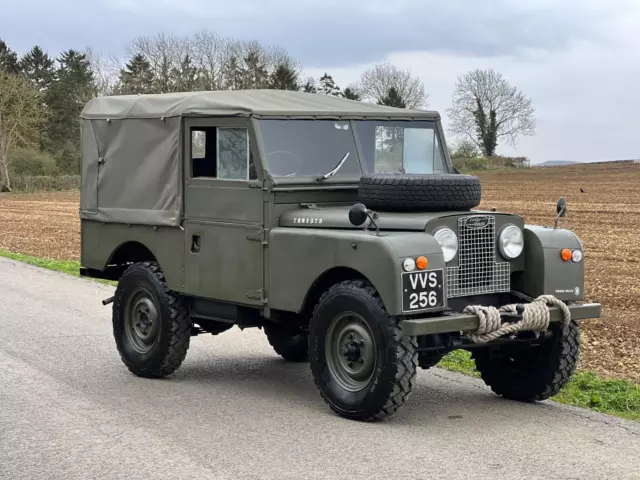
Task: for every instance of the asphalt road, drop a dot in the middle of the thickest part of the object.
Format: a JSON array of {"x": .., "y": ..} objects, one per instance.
[{"x": 70, "y": 410}]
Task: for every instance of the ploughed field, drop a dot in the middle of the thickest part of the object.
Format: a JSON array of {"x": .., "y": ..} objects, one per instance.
[{"x": 606, "y": 217}]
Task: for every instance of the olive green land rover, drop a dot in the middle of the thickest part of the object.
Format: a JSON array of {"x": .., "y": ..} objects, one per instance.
[{"x": 338, "y": 227}]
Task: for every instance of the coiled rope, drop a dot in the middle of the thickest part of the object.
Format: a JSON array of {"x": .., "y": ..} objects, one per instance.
[{"x": 535, "y": 318}]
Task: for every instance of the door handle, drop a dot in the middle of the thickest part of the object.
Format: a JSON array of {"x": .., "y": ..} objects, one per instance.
[{"x": 195, "y": 244}]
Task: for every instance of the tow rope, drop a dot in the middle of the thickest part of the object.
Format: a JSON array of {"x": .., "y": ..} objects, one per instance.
[{"x": 535, "y": 318}]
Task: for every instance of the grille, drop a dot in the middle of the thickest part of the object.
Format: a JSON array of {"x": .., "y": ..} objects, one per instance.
[{"x": 477, "y": 272}]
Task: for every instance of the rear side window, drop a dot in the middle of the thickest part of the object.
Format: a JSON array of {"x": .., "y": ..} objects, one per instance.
[{"x": 221, "y": 152}]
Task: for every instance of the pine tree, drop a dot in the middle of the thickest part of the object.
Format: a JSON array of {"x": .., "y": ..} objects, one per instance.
[
  {"x": 72, "y": 88},
  {"x": 136, "y": 77},
  {"x": 351, "y": 94},
  {"x": 393, "y": 99},
  {"x": 184, "y": 77},
  {"x": 284, "y": 78},
  {"x": 310, "y": 86},
  {"x": 328, "y": 86},
  {"x": 255, "y": 74},
  {"x": 8, "y": 59},
  {"x": 38, "y": 67},
  {"x": 233, "y": 74}
]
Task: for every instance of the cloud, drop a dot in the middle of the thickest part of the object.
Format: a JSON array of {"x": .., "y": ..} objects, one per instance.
[
  {"x": 321, "y": 32},
  {"x": 577, "y": 59},
  {"x": 585, "y": 100},
  {"x": 343, "y": 32}
]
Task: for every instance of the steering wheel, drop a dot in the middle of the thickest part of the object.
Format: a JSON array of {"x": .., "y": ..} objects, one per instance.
[{"x": 289, "y": 160}]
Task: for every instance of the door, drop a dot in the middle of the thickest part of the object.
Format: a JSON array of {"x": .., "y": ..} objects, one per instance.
[{"x": 224, "y": 211}]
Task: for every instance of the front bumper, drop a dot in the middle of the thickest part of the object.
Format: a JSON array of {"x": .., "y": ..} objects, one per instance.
[{"x": 459, "y": 322}]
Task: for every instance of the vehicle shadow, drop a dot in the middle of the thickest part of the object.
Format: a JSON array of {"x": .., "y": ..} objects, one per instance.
[
  {"x": 437, "y": 395},
  {"x": 261, "y": 375}
]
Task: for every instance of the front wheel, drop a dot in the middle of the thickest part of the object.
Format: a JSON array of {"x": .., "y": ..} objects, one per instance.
[
  {"x": 362, "y": 364},
  {"x": 532, "y": 373}
]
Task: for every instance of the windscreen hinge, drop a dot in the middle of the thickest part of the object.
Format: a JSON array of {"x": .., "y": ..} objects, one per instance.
[
  {"x": 257, "y": 295},
  {"x": 262, "y": 237}
]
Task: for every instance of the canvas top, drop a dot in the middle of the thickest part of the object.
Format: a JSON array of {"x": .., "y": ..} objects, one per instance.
[{"x": 258, "y": 103}]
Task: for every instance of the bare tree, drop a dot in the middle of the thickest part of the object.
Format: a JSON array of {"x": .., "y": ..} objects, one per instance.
[
  {"x": 105, "y": 71},
  {"x": 486, "y": 107},
  {"x": 250, "y": 64},
  {"x": 21, "y": 118},
  {"x": 376, "y": 82},
  {"x": 276, "y": 56},
  {"x": 208, "y": 51},
  {"x": 167, "y": 55},
  {"x": 465, "y": 148},
  {"x": 208, "y": 61}
]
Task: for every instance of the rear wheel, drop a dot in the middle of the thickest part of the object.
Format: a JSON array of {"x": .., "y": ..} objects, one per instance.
[
  {"x": 533, "y": 373},
  {"x": 361, "y": 363},
  {"x": 151, "y": 324},
  {"x": 290, "y": 344}
]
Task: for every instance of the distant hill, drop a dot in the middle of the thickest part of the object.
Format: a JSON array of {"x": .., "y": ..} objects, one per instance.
[{"x": 555, "y": 163}]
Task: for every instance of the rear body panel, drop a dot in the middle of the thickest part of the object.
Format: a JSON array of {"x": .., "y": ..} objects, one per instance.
[{"x": 100, "y": 242}]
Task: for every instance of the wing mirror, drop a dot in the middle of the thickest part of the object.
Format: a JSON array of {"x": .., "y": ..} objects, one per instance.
[
  {"x": 358, "y": 215},
  {"x": 561, "y": 209}
]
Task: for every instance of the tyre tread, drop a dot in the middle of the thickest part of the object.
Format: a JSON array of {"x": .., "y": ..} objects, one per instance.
[
  {"x": 545, "y": 382},
  {"x": 406, "y": 358},
  {"x": 431, "y": 192},
  {"x": 180, "y": 326}
]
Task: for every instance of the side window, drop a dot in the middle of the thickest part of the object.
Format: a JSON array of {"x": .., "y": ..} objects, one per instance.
[
  {"x": 233, "y": 154},
  {"x": 198, "y": 143},
  {"x": 222, "y": 153}
]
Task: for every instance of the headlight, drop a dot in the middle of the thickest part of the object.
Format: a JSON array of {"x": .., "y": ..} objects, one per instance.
[
  {"x": 511, "y": 242},
  {"x": 449, "y": 243}
]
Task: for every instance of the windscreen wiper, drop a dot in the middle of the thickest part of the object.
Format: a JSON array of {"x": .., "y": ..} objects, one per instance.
[{"x": 335, "y": 170}]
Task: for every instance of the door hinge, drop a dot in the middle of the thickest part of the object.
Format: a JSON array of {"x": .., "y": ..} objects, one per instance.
[
  {"x": 262, "y": 237},
  {"x": 257, "y": 295}
]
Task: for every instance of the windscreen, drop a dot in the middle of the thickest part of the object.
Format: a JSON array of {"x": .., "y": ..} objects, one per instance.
[
  {"x": 410, "y": 147},
  {"x": 296, "y": 148}
]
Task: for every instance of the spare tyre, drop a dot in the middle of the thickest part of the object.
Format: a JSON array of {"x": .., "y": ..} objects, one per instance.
[{"x": 412, "y": 193}]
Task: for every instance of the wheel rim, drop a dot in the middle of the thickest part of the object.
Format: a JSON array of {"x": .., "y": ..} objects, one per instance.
[
  {"x": 142, "y": 322},
  {"x": 350, "y": 350}
]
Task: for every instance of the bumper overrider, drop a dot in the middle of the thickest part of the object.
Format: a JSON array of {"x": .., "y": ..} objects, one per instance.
[{"x": 449, "y": 322}]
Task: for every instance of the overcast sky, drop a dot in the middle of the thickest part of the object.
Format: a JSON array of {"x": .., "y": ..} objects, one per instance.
[{"x": 579, "y": 61}]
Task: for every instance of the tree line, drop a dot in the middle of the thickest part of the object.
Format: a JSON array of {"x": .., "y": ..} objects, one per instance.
[{"x": 41, "y": 96}]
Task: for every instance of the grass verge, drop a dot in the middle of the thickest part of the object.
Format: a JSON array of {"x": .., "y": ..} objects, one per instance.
[
  {"x": 585, "y": 389},
  {"x": 70, "y": 267}
]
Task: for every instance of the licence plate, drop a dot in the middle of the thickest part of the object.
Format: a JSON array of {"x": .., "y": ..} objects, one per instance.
[{"x": 423, "y": 290}]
